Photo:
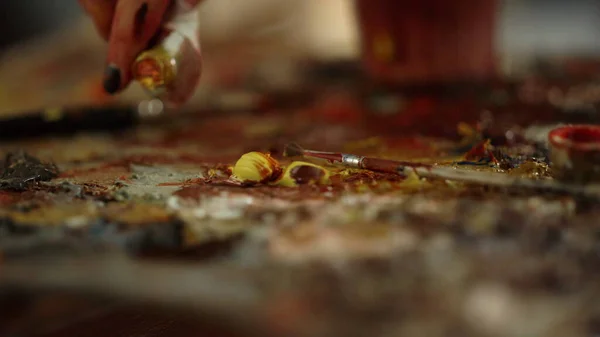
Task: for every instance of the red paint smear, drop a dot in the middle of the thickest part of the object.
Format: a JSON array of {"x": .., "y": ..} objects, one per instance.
[
  {"x": 481, "y": 151},
  {"x": 7, "y": 198},
  {"x": 195, "y": 190},
  {"x": 189, "y": 182}
]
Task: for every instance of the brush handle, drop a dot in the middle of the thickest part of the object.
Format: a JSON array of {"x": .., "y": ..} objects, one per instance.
[
  {"x": 462, "y": 175},
  {"x": 381, "y": 165},
  {"x": 501, "y": 180}
]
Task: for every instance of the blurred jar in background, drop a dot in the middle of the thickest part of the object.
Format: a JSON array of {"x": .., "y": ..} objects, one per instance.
[{"x": 428, "y": 40}]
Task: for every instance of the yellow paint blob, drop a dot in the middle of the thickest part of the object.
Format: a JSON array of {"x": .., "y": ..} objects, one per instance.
[{"x": 256, "y": 167}]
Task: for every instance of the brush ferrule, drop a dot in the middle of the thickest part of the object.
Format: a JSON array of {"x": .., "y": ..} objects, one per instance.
[{"x": 352, "y": 160}]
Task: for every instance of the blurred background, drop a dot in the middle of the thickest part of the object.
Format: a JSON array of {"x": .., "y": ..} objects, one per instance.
[{"x": 51, "y": 54}]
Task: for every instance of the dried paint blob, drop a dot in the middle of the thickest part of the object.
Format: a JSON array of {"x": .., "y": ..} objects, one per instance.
[{"x": 302, "y": 173}]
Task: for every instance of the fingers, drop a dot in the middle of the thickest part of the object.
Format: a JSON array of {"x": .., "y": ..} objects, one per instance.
[
  {"x": 134, "y": 24},
  {"x": 101, "y": 12}
]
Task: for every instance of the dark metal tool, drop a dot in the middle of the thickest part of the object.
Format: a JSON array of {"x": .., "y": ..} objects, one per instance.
[
  {"x": 70, "y": 120},
  {"x": 66, "y": 121}
]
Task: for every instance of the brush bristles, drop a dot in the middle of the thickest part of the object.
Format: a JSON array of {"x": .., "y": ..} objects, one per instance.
[{"x": 293, "y": 150}]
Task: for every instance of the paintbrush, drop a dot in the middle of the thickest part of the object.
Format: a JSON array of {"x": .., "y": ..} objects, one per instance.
[{"x": 405, "y": 168}]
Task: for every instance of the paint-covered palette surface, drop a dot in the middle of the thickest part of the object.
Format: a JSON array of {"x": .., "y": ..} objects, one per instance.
[{"x": 358, "y": 253}]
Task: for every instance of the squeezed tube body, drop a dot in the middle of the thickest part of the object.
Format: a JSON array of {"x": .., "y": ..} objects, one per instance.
[{"x": 171, "y": 70}]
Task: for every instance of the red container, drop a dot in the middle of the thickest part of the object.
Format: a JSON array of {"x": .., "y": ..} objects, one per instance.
[
  {"x": 575, "y": 152},
  {"x": 428, "y": 40}
]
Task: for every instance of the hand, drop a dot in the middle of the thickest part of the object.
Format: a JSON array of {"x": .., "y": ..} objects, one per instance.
[{"x": 129, "y": 26}]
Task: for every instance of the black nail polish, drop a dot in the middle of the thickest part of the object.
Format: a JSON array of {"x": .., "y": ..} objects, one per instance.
[{"x": 112, "y": 79}]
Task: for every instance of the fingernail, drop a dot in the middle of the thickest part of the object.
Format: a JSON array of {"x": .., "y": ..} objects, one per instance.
[{"x": 112, "y": 79}]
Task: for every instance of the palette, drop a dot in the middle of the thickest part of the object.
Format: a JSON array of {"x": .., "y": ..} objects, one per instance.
[{"x": 150, "y": 209}]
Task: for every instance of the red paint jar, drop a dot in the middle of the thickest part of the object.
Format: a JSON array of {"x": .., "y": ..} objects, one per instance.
[
  {"x": 428, "y": 40},
  {"x": 575, "y": 152}
]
